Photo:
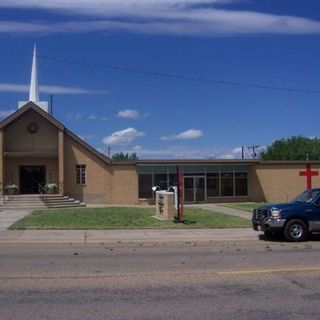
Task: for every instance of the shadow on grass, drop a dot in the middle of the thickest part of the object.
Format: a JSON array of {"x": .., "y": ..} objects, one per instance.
[{"x": 186, "y": 222}]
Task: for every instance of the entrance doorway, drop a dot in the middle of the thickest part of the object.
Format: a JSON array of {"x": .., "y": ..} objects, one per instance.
[
  {"x": 31, "y": 177},
  {"x": 194, "y": 189}
]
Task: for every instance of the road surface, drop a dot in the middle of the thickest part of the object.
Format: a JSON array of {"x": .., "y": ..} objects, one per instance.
[{"x": 214, "y": 280}]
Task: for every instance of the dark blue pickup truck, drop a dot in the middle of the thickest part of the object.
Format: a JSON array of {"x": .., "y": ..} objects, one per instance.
[{"x": 296, "y": 219}]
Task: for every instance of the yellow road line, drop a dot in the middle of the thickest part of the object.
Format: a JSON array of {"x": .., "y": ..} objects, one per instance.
[{"x": 258, "y": 271}]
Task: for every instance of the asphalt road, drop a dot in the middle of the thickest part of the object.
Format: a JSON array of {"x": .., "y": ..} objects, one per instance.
[{"x": 217, "y": 280}]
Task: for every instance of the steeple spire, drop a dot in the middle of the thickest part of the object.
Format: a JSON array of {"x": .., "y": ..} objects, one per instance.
[
  {"x": 34, "y": 87},
  {"x": 34, "y": 90}
]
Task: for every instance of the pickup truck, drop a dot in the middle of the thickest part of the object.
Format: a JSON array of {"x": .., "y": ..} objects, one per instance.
[{"x": 295, "y": 219}]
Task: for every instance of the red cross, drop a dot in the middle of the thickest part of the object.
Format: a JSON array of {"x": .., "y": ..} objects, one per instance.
[{"x": 309, "y": 174}]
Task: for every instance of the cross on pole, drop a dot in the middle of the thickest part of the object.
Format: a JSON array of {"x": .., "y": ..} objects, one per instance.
[{"x": 309, "y": 174}]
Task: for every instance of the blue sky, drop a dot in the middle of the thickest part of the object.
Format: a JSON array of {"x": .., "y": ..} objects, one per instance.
[{"x": 269, "y": 43}]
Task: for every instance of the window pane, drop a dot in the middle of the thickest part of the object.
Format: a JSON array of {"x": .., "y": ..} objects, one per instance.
[
  {"x": 81, "y": 174},
  {"x": 145, "y": 185},
  {"x": 188, "y": 189},
  {"x": 173, "y": 180},
  {"x": 241, "y": 184},
  {"x": 196, "y": 170},
  {"x": 213, "y": 187},
  {"x": 227, "y": 184},
  {"x": 213, "y": 175},
  {"x": 161, "y": 180}
]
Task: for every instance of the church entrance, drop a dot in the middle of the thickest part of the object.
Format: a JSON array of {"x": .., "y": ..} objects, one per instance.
[{"x": 30, "y": 178}]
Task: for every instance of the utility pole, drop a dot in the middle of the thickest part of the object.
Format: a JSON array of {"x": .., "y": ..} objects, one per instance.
[
  {"x": 253, "y": 148},
  {"x": 242, "y": 152}
]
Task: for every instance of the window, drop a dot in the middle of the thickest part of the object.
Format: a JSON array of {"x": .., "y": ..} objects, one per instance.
[
  {"x": 145, "y": 186},
  {"x": 227, "y": 184},
  {"x": 81, "y": 174},
  {"x": 161, "y": 180},
  {"x": 213, "y": 189},
  {"x": 173, "y": 181},
  {"x": 241, "y": 184}
]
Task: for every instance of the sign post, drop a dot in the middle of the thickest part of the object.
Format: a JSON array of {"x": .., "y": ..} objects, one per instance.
[{"x": 180, "y": 217}]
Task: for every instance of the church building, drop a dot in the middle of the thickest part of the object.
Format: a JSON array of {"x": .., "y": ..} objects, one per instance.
[{"x": 38, "y": 151}]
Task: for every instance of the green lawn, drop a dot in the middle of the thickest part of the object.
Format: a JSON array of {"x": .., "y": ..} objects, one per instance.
[
  {"x": 124, "y": 218},
  {"x": 244, "y": 206}
]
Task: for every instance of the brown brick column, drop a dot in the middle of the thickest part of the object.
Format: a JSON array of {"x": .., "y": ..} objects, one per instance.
[{"x": 61, "y": 161}]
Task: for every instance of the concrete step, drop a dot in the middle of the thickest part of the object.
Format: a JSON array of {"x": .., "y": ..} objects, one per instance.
[
  {"x": 58, "y": 200},
  {"x": 38, "y": 202},
  {"x": 71, "y": 205},
  {"x": 24, "y": 201},
  {"x": 42, "y": 206},
  {"x": 62, "y": 203},
  {"x": 49, "y": 196},
  {"x": 13, "y": 206}
]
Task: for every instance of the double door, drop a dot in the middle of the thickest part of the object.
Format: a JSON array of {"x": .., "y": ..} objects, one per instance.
[
  {"x": 194, "y": 189},
  {"x": 31, "y": 177}
]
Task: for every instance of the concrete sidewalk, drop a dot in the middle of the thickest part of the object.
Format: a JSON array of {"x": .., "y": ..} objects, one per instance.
[
  {"x": 10, "y": 216},
  {"x": 219, "y": 208},
  {"x": 127, "y": 236}
]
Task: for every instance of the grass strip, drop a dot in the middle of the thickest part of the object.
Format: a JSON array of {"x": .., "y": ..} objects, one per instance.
[{"x": 123, "y": 218}]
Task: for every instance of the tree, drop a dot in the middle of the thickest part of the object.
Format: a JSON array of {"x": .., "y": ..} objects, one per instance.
[
  {"x": 120, "y": 156},
  {"x": 294, "y": 148}
]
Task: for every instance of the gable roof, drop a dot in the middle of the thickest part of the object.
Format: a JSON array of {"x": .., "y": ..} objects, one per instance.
[
  {"x": 32, "y": 106},
  {"x": 27, "y": 107}
]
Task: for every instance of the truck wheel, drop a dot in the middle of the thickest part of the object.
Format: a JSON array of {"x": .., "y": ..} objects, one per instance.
[{"x": 295, "y": 230}]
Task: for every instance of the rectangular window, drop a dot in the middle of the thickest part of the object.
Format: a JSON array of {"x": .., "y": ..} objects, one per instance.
[
  {"x": 173, "y": 181},
  {"x": 241, "y": 183},
  {"x": 227, "y": 184},
  {"x": 145, "y": 186},
  {"x": 213, "y": 189},
  {"x": 161, "y": 180},
  {"x": 81, "y": 174}
]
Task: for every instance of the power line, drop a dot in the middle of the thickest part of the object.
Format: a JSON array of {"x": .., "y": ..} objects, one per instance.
[{"x": 162, "y": 74}]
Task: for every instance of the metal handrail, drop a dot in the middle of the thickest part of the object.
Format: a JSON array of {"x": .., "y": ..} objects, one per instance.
[{"x": 42, "y": 191}]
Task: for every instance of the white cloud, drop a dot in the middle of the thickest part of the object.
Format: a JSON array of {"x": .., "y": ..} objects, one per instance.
[
  {"x": 185, "y": 135},
  {"x": 177, "y": 17},
  {"x": 68, "y": 90},
  {"x": 74, "y": 116},
  {"x": 123, "y": 137},
  {"x": 6, "y": 113},
  {"x": 179, "y": 152},
  {"x": 10, "y": 87},
  {"x": 92, "y": 117},
  {"x": 128, "y": 113},
  {"x": 227, "y": 156},
  {"x": 237, "y": 150}
]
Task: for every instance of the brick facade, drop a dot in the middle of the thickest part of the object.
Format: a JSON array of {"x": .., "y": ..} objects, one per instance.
[{"x": 58, "y": 150}]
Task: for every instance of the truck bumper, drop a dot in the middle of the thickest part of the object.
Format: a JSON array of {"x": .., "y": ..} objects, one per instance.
[{"x": 268, "y": 225}]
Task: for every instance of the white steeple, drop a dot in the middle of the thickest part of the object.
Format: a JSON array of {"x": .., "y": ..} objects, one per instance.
[
  {"x": 34, "y": 90},
  {"x": 34, "y": 87}
]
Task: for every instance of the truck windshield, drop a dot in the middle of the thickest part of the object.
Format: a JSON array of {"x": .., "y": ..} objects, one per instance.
[{"x": 307, "y": 196}]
